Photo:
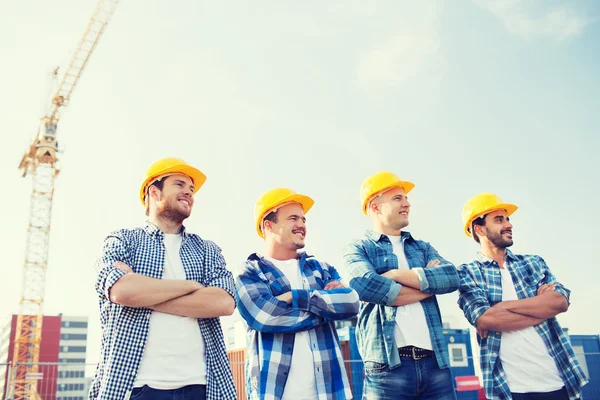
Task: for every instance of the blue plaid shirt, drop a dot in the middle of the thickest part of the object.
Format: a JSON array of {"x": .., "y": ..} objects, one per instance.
[
  {"x": 481, "y": 288},
  {"x": 272, "y": 325},
  {"x": 125, "y": 329},
  {"x": 366, "y": 259}
]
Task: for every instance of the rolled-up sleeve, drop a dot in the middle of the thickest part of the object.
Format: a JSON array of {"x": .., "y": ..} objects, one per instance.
[
  {"x": 114, "y": 250},
  {"x": 370, "y": 286},
  {"x": 219, "y": 276},
  {"x": 439, "y": 279},
  {"x": 550, "y": 278},
  {"x": 472, "y": 299}
]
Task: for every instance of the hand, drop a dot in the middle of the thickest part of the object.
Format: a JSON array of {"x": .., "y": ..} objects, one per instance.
[
  {"x": 482, "y": 332},
  {"x": 121, "y": 266},
  {"x": 548, "y": 287},
  {"x": 433, "y": 263},
  {"x": 287, "y": 297},
  {"x": 334, "y": 285}
]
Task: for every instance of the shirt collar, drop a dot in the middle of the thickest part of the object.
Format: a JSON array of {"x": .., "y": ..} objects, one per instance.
[
  {"x": 261, "y": 258},
  {"x": 154, "y": 231},
  {"x": 376, "y": 236},
  {"x": 486, "y": 260}
]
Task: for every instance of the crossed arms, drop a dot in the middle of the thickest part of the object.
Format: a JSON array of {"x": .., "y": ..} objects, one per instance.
[
  {"x": 399, "y": 287},
  {"x": 118, "y": 283},
  {"x": 550, "y": 300},
  {"x": 293, "y": 311}
]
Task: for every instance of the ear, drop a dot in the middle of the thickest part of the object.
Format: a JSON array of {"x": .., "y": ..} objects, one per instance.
[
  {"x": 479, "y": 229},
  {"x": 154, "y": 193},
  {"x": 374, "y": 206},
  {"x": 267, "y": 226}
]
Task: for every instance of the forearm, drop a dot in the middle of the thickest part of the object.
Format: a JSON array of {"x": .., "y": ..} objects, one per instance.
[
  {"x": 404, "y": 277},
  {"x": 545, "y": 305},
  {"x": 136, "y": 290},
  {"x": 209, "y": 302},
  {"x": 409, "y": 295},
  {"x": 332, "y": 304},
  {"x": 502, "y": 320}
]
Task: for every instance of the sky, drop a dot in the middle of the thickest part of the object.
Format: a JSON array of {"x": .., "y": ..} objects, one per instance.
[{"x": 457, "y": 97}]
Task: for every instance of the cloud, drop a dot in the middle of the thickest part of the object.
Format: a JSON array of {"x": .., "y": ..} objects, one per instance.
[
  {"x": 519, "y": 18},
  {"x": 407, "y": 50}
]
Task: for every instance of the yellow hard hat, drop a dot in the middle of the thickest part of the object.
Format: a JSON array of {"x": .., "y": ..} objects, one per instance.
[
  {"x": 167, "y": 166},
  {"x": 379, "y": 182},
  {"x": 482, "y": 204},
  {"x": 274, "y": 198}
]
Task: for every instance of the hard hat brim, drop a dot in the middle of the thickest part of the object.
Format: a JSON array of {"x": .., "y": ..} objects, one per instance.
[
  {"x": 509, "y": 208},
  {"x": 305, "y": 201},
  {"x": 406, "y": 185},
  {"x": 195, "y": 175}
]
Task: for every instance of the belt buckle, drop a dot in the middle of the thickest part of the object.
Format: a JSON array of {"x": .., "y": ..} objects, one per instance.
[{"x": 415, "y": 356}]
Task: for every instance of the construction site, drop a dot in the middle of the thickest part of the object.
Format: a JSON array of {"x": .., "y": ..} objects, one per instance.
[{"x": 312, "y": 97}]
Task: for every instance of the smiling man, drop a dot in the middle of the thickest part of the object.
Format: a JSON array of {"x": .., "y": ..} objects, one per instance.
[
  {"x": 399, "y": 329},
  {"x": 161, "y": 291},
  {"x": 513, "y": 301},
  {"x": 289, "y": 301}
]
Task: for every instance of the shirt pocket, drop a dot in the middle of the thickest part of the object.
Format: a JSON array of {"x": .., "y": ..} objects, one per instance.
[{"x": 533, "y": 281}]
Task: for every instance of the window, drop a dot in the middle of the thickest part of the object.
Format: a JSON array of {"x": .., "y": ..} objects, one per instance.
[
  {"x": 231, "y": 335},
  {"x": 458, "y": 355},
  {"x": 580, "y": 354},
  {"x": 74, "y": 324},
  {"x": 73, "y": 336}
]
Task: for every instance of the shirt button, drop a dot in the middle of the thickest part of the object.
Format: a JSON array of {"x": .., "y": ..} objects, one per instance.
[
  {"x": 141, "y": 344},
  {"x": 388, "y": 336}
]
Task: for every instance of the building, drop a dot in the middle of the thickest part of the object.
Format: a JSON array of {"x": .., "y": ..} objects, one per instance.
[
  {"x": 587, "y": 350},
  {"x": 62, "y": 357}
]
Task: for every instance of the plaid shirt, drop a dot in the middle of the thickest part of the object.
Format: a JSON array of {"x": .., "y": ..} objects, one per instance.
[
  {"x": 272, "y": 325},
  {"x": 125, "y": 329},
  {"x": 366, "y": 259},
  {"x": 481, "y": 288}
]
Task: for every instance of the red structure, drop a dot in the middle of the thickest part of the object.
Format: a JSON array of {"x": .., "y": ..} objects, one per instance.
[{"x": 49, "y": 349}]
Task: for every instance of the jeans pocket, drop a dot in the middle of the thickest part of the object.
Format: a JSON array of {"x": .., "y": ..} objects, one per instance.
[
  {"x": 138, "y": 392},
  {"x": 374, "y": 368}
]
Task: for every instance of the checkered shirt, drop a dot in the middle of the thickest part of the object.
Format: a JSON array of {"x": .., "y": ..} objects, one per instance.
[
  {"x": 125, "y": 329},
  {"x": 481, "y": 288},
  {"x": 272, "y": 325},
  {"x": 365, "y": 260}
]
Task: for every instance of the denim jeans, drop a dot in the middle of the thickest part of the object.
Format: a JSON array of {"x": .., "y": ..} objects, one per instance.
[
  {"x": 190, "y": 392},
  {"x": 560, "y": 394},
  {"x": 421, "y": 379}
]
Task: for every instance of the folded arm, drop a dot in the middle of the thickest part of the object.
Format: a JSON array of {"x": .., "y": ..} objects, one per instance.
[
  {"x": 136, "y": 290},
  {"x": 130, "y": 289},
  {"x": 409, "y": 295},
  {"x": 264, "y": 312},
  {"x": 370, "y": 286},
  {"x": 216, "y": 298},
  {"x": 208, "y": 302}
]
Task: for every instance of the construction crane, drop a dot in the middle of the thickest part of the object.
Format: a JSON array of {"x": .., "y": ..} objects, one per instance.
[{"x": 41, "y": 161}]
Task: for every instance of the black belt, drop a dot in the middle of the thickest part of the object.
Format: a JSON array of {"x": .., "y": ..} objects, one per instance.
[{"x": 416, "y": 353}]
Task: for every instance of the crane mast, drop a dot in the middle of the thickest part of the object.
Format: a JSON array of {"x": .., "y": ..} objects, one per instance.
[{"x": 41, "y": 161}]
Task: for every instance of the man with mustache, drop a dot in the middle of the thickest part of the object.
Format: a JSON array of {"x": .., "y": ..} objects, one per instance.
[
  {"x": 513, "y": 301},
  {"x": 399, "y": 329},
  {"x": 161, "y": 292},
  {"x": 289, "y": 301}
]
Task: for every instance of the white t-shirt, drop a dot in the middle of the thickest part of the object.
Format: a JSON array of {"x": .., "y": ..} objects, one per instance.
[
  {"x": 174, "y": 355},
  {"x": 300, "y": 384},
  {"x": 523, "y": 353},
  {"x": 411, "y": 327}
]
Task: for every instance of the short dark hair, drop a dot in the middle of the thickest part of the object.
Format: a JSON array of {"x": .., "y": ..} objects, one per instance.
[
  {"x": 159, "y": 184},
  {"x": 480, "y": 221},
  {"x": 272, "y": 216}
]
